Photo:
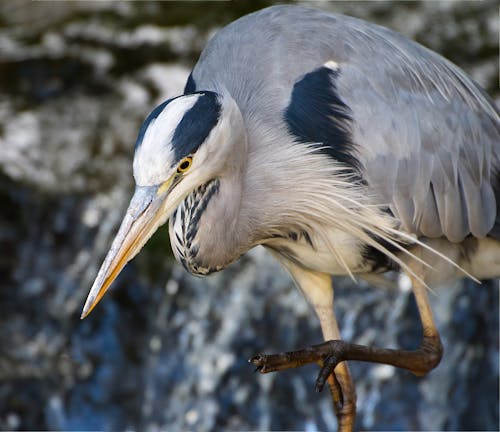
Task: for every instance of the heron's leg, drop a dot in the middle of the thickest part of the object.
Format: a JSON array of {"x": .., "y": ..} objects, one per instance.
[
  {"x": 340, "y": 381},
  {"x": 420, "y": 361},
  {"x": 318, "y": 289}
]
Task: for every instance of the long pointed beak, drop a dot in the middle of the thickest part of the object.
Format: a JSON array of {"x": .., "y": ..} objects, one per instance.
[{"x": 147, "y": 211}]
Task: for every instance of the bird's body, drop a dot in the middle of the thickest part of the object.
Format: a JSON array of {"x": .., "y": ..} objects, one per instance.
[
  {"x": 421, "y": 135},
  {"x": 340, "y": 146}
]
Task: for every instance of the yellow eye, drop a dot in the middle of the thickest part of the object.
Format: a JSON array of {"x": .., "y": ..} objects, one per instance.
[{"x": 185, "y": 164}]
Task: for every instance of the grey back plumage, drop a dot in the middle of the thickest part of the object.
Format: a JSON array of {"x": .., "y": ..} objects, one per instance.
[{"x": 426, "y": 136}]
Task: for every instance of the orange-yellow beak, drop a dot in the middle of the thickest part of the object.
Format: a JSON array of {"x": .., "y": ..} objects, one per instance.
[{"x": 148, "y": 210}]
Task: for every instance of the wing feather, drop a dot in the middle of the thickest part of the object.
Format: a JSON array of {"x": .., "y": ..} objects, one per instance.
[
  {"x": 432, "y": 152},
  {"x": 427, "y": 214}
]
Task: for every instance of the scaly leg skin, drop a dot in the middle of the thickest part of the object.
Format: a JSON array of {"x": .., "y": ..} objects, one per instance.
[
  {"x": 318, "y": 289},
  {"x": 330, "y": 354},
  {"x": 340, "y": 380}
]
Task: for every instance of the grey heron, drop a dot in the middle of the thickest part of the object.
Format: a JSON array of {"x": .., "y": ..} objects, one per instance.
[{"x": 340, "y": 146}]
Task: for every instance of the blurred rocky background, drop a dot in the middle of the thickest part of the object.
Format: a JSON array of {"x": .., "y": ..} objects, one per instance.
[{"x": 165, "y": 350}]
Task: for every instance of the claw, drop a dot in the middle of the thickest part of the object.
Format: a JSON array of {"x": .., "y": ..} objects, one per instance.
[
  {"x": 255, "y": 360},
  {"x": 326, "y": 370},
  {"x": 258, "y": 361},
  {"x": 318, "y": 387}
]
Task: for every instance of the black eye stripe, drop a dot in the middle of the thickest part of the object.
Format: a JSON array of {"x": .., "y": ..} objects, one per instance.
[{"x": 196, "y": 125}]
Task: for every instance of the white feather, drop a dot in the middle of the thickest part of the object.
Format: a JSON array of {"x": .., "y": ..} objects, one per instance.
[{"x": 153, "y": 158}]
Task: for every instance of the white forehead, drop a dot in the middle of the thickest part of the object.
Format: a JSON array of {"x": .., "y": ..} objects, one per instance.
[{"x": 153, "y": 155}]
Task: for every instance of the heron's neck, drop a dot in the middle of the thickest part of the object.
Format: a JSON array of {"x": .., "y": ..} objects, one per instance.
[{"x": 222, "y": 231}]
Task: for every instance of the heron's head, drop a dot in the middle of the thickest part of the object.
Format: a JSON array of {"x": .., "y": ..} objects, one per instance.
[{"x": 184, "y": 143}]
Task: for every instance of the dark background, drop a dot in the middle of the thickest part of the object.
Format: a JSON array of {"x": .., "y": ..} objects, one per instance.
[{"x": 165, "y": 350}]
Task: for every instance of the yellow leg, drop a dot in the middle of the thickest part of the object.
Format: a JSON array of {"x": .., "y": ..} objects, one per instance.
[
  {"x": 424, "y": 308},
  {"x": 318, "y": 289},
  {"x": 340, "y": 382},
  {"x": 431, "y": 342}
]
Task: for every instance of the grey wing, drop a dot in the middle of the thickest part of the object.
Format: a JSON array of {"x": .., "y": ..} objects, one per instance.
[
  {"x": 428, "y": 139},
  {"x": 426, "y": 135}
]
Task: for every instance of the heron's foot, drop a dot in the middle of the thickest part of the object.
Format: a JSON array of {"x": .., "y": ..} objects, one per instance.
[
  {"x": 320, "y": 354},
  {"x": 329, "y": 354},
  {"x": 340, "y": 382}
]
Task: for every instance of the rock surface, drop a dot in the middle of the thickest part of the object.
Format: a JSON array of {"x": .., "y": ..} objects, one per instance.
[{"x": 165, "y": 350}]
